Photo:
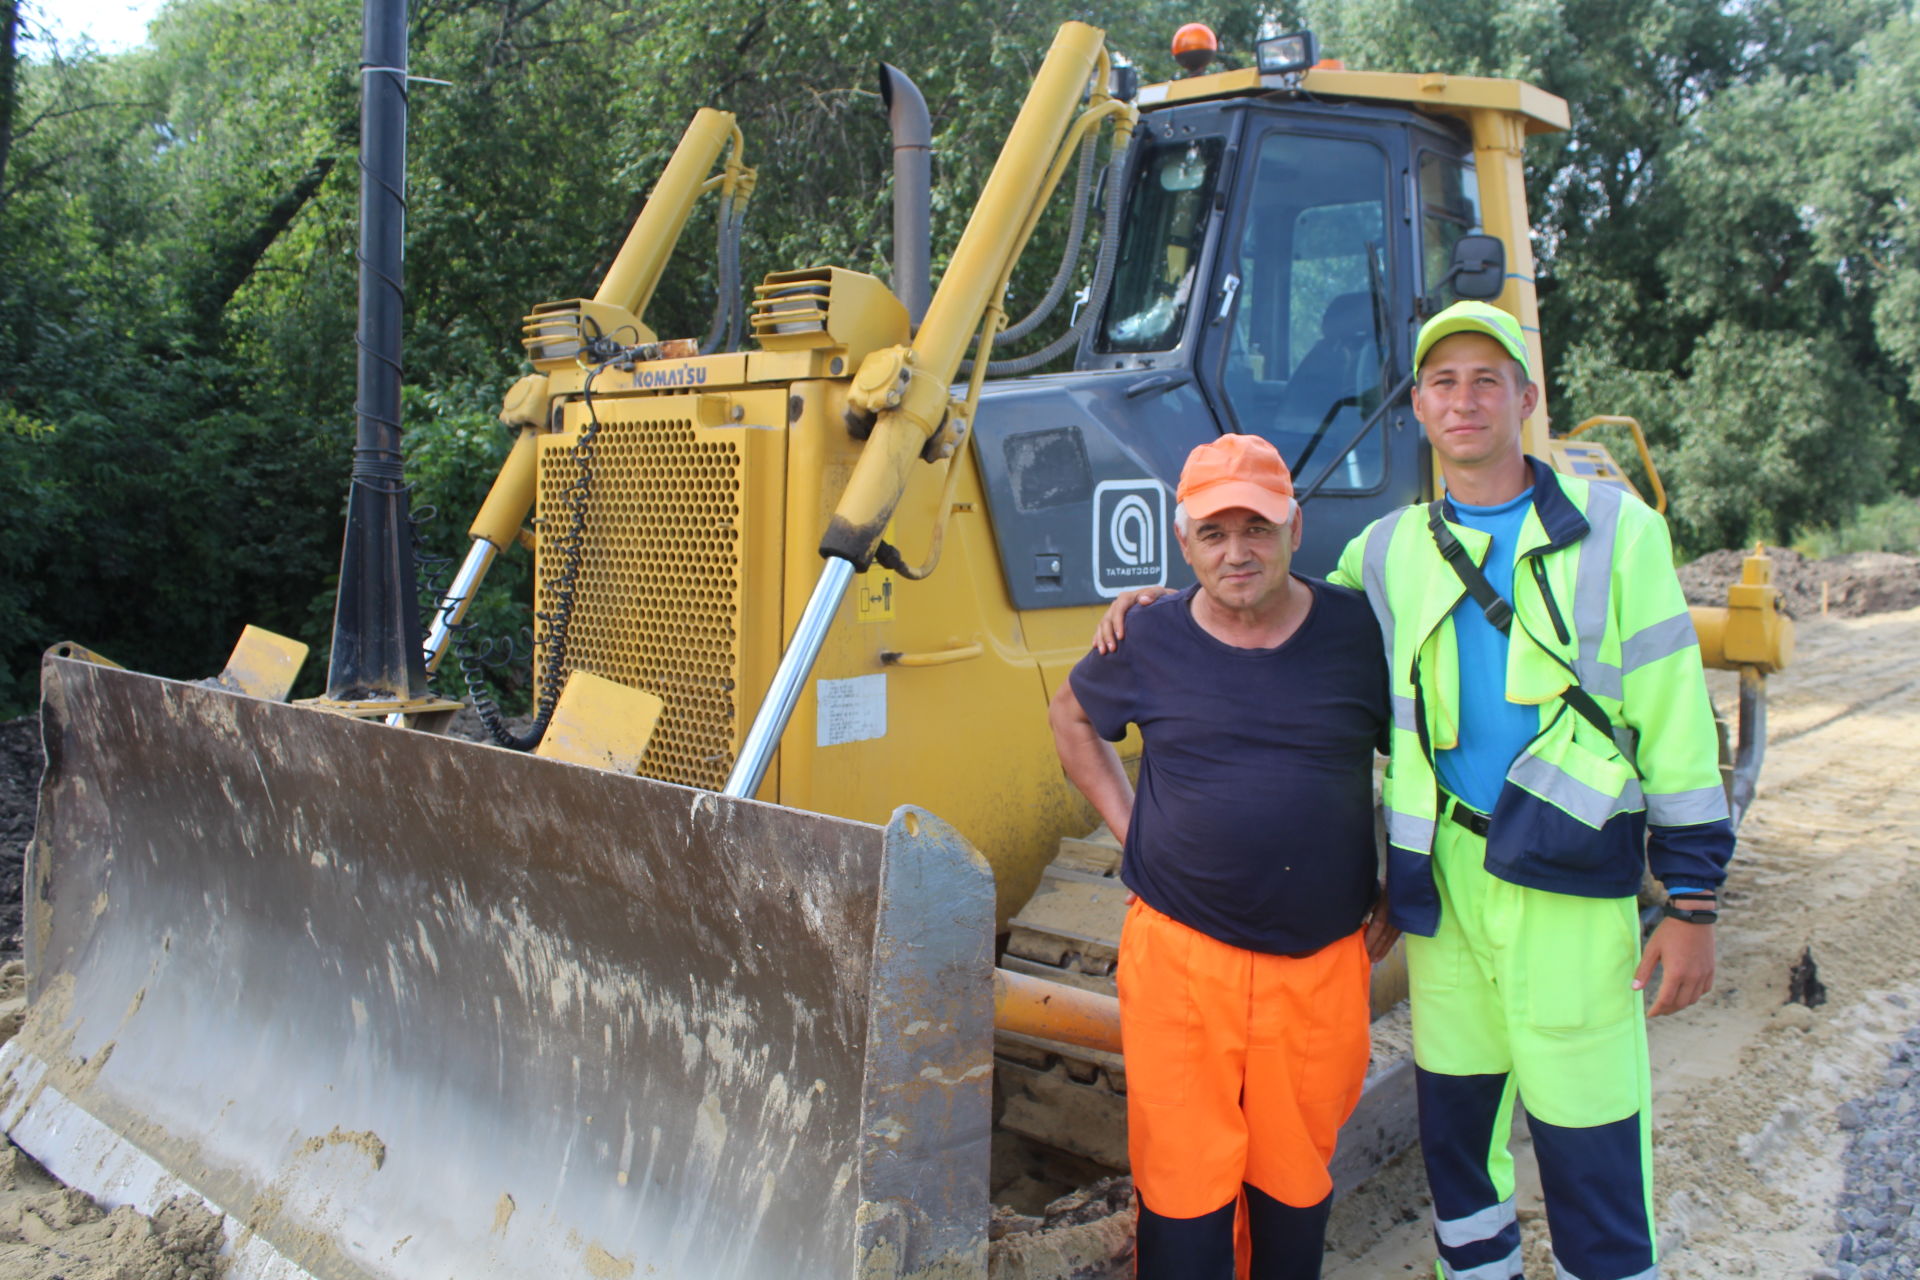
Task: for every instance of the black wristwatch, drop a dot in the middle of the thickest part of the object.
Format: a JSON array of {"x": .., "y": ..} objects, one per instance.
[{"x": 1690, "y": 917}]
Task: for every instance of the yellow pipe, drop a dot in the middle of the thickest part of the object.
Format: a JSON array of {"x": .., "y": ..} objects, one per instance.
[
  {"x": 937, "y": 658},
  {"x": 907, "y": 387},
  {"x": 991, "y": 235},
  {"x": 1032, "y": 1006},
  {"x": 1088, "y": 120},
  {"x": 635, "y": 272},
  {"x": 511, "y": 496},
  {"x": 1639, "y": 442}
]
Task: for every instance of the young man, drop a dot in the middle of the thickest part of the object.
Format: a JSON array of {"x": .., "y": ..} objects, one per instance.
[
  {"x": 1536, "y": 770},
  {"x": 1260, "y": 698}
]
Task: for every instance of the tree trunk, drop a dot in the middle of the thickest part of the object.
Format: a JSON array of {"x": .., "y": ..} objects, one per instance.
[
  {"x": 9, "y": 61},
  {"x": 233, "y": 264}
]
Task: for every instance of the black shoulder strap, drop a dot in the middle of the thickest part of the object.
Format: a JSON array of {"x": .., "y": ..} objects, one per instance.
[{"x": 1499, "y": 612}]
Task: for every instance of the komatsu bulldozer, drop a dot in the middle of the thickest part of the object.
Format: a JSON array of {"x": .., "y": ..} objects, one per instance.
[{"x": 708, "y": 983}]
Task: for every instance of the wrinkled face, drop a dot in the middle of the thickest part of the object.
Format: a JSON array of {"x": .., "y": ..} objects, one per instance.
[
  {"x": 1472, "y": 398},
  {"x": 1241, "y": 557}
]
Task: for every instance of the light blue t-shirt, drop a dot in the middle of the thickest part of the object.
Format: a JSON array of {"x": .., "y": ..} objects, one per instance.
[{"x": 1492, "y": 730}]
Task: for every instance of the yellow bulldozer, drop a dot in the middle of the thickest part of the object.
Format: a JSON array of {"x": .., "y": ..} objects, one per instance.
[{"x": 706, "y": 978}]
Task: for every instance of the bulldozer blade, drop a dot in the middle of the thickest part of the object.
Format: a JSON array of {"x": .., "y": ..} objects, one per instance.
[{"x": 401, "y": 1006}]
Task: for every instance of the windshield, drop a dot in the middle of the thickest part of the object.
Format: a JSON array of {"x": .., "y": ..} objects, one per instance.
[
  {"x": 1160, "y": 243},
  {"x": 1303, "y": 364}
]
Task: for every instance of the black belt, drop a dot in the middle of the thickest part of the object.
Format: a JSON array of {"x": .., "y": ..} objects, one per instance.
[{"x": 1472, "y": 819}]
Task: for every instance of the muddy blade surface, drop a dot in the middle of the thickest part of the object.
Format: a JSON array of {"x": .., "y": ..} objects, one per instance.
[{"x": 403, "y": 1006}]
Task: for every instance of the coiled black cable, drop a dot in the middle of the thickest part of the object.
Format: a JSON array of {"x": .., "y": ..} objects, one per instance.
[{"x": 559, "y": 620}]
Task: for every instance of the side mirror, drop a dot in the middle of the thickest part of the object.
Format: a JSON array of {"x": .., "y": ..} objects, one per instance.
[{"x": 1479, "y": 269}]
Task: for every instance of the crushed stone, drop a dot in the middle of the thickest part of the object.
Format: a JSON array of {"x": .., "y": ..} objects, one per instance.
[{"x": 1877, "y": 1231}]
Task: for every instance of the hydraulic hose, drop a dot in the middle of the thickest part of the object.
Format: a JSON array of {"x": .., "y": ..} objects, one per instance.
[
  {"x": 1096, "y": 292},
  {"x": 1069, "y": 257},
  {"x": 736, "y": 312},
  {"x": 726, "y": 307}
]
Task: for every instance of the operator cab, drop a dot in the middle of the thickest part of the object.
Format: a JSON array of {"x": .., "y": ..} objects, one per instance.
[
  {"x": 1278, "y": 250},
  {"x": 1317, "y": 278}
]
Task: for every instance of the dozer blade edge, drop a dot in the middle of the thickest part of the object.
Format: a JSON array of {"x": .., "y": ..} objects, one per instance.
[{"x": 402, "y": 1006}]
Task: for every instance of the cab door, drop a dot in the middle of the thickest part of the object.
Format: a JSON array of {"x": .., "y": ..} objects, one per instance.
[{"x": 1306, "y": 334}]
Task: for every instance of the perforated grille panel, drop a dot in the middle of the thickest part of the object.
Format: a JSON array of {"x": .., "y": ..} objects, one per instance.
[{"x": 657, "y": 605}]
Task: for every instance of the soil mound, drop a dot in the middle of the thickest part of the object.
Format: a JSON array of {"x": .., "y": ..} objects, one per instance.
[
  {"x": 20, "y": 765},
  {"x": 1851, "y": 585}
]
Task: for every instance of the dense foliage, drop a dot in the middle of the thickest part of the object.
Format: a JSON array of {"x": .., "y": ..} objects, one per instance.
[{"x": 1727, "y": 236}]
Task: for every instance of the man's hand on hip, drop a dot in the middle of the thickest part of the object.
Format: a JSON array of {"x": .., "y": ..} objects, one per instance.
[
  {"x": 1685, "y": 951},
  {"x": 1113, "y": 623}
]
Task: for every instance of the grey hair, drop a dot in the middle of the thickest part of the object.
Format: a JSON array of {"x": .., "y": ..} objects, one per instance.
[{"x": 1184, "y": 522}]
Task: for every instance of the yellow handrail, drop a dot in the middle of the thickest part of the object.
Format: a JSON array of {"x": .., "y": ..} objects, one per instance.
[{"x": 1639, "y": 442}]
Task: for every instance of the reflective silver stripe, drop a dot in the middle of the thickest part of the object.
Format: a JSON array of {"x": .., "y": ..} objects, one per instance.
[
  {"x": 1602, "y": 678},
  {"x": 1475, "y": 1227},
  {"x": 1373, "y": 576},
  {"x": 1650, "y": 644},
  {"x": 1564, "y": 791},
  {"x": 1507, "y": 1268},
  {"x": 1593, "y": 590},
  {"x": 1686, "y": 808},
  {"x": 1409, "y": 832},
  {"x": 1404, "y": 711},
  {"x": 1651, "y": 1273}
]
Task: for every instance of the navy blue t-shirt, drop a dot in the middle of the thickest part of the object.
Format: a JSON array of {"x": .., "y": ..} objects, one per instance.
[{"x": 1253, "y": 819}]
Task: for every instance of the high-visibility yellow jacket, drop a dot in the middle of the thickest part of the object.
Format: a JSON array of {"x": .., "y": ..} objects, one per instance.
[{"x": 1595, "y": 599}]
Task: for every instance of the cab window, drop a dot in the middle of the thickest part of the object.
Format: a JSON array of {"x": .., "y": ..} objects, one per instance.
[
  {"x": 1449, "y": 209},
  {"x": 1161, "y": 238},
  {"x": 1304, "y": 358}
]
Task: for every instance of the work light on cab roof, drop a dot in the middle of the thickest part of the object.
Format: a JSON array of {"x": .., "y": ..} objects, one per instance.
[{"x": 1288, "y": 54}]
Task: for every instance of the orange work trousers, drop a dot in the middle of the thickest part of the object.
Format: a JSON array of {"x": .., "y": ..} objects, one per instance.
[{"x": 1241, "y": 1066}]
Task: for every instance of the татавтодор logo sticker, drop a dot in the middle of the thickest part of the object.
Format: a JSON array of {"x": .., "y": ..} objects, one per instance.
[{"x": 1129, "y": 535}]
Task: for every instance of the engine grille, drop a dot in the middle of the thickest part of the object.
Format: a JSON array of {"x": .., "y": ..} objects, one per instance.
[{"x": 657, "y": 604}]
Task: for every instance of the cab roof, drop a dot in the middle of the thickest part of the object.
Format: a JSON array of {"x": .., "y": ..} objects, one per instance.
[{"x": 1542, "y": 112}]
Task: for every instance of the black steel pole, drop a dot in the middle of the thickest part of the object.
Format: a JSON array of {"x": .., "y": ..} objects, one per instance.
[{"x": 377, "y": 651}]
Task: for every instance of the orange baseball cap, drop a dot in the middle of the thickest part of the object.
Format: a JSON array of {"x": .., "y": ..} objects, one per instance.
[{"x": 1236, "y": 471}]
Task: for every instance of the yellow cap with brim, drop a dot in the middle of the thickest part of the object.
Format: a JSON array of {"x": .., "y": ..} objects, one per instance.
[{"x": 1473, "y": 317}]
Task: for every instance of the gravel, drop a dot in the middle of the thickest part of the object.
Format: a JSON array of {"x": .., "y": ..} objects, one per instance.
[{"x": 1878, "y": 1231}]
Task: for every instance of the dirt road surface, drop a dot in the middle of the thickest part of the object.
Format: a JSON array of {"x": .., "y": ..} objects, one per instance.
[{"x": 1747, "y": 1087}]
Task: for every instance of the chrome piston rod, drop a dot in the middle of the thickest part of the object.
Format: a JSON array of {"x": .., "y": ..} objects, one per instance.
[
  {"x": 763, "y": 739},
  {"x": 453, "y": 607}
]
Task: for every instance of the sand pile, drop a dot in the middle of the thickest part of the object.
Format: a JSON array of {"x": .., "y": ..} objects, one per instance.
[
  {"x": 52, "y": 1232},
  {"x": 1854, "y": 585},
  {"x": 48, "y": 1231}
]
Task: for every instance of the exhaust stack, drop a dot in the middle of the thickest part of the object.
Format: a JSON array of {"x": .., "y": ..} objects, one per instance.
[{"x": 912, "y": 190}]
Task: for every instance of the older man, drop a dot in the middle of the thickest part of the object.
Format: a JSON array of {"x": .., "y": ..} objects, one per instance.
[{"x": 1261, "y": 698}]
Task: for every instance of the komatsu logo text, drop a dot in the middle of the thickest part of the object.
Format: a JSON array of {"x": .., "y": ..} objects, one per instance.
[{"x": 667, "y": 377}]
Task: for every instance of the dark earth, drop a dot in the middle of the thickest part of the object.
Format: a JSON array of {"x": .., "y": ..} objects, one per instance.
[{"x": 19, "y": 778}]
